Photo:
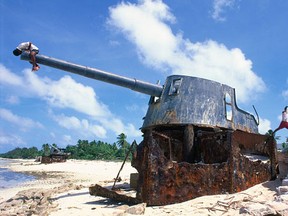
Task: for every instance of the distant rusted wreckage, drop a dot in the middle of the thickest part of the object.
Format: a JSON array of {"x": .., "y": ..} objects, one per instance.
[
  {"x": 196, "y": 140},
  {"x": 56, "y": 155}
]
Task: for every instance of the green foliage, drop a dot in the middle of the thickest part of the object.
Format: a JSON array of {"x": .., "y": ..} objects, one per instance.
[
  {"x": 45, "y": 150},
  {"x": 123, "y": 146},
  {"x": 25, "y": 153},
  {"x": 95, "y": 150}
]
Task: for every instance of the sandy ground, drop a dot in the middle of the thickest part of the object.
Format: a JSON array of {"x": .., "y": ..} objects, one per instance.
[{"x": 66, "y": 185}]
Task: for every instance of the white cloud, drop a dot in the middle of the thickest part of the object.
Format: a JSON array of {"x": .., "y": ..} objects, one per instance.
[
  {"x": 21, "y": 122},
  {"x": 117, "y": 126},
  {"x": 132, "y": 131},
  {"x": 84, "y": 126},
  {"x": 67, "y": 93},
  {"x": 9, "y": 78},
  {"x": 264, "y": 126},
  {"x": 11, "y": 139},
  {"x": 88, "y": 128},
  {"x": 64, "y": 93},
  {"x": 215, "y": 61},
  {"x": 218, "y": 8},
  {"x": 161, "y": 48},
  {"x": 144, "y": 24}
]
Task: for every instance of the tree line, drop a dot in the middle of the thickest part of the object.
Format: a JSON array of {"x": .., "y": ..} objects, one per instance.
[{"x": 94, "y": 150}]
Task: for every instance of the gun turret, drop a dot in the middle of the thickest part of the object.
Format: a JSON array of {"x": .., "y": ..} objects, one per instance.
[
  {"x": 131, "y": 83},
  {"x": 194, "y": 136},
  {"x": 182, "y": 99}
]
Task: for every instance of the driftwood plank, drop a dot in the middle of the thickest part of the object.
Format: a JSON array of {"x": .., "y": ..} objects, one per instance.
[{"x": 98, "y": 190}]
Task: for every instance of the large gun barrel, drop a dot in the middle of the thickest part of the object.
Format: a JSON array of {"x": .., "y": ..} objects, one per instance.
[{"x": 131, "y": 83}]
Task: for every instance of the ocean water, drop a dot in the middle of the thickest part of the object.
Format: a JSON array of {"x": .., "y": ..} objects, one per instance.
[{"x": 10, "y": 179}]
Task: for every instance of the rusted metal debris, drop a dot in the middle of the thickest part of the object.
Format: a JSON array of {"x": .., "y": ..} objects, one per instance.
[
  {"x": 127, "y": 154},
  {"x": 118, "y": 195},
  {"x": 217, "y": 163},
  {"x": 56, "y": 155},
  {"x": 53, "y": 159}
]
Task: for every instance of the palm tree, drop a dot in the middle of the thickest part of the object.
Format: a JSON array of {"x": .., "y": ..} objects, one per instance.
[
  {"x": 46, "y": 149},
  {"x": 122, "y": 142}
]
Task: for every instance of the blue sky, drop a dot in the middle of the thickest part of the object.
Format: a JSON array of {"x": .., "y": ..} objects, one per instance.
[{"x": 239, "y": 43}]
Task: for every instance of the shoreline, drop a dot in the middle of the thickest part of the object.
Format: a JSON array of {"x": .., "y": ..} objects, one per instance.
[
  {"x": 72, "y": 171},
  {"x": 56, "y": 178},
  {"x": 63, "y": 189}
]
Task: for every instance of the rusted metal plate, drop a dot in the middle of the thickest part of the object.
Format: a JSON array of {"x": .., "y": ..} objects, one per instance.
[
  {"x": 217, "y": 165},
  {"x": 53, "y": 159},
  {"x": 247, "y": 173}
]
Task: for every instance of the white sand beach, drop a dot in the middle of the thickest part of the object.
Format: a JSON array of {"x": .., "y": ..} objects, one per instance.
[{"x": 63, "y": 189}]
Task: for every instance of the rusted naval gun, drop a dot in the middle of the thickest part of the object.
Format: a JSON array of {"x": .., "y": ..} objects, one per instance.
[
  {"x": 196, "y": 140},
  {"x": 56, "y": 155}
]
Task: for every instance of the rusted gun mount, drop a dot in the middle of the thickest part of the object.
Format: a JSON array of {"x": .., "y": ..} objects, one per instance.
[
  {"x": 219, "y": 162},
  {"x": 196, "y": 140}
]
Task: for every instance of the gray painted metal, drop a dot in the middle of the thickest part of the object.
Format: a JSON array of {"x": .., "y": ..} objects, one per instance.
[
  {"x": 183, "y": 100},
  {"x": 134, "y": 84},
  {"x": 200, "y": 102}
]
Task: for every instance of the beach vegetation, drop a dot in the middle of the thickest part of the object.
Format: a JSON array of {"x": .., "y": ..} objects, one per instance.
[
  {"x": 23, "y": 153},
  {"x": 83, "y": 149}
]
